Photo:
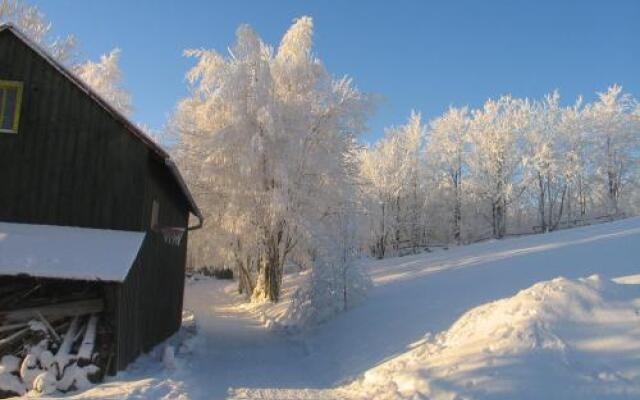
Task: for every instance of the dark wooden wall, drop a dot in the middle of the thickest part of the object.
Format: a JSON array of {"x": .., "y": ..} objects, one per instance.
[
  {"x": 73, "y": 164},
  {"x": 150, "y": 306},
  {"x": 70, "y": 163}
]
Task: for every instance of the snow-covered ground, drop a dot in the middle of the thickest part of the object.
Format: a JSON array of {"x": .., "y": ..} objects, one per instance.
[{"x": 489, "y": 320}]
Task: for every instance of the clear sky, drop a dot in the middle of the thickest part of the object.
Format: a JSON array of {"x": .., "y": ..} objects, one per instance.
[{"x": 423, "y": 55}]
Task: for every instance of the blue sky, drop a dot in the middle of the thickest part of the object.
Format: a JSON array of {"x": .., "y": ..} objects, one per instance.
[{"x": 423, "y": 55}]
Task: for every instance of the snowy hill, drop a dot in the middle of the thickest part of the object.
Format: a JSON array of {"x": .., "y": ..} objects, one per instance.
[
  {"x": 497, "y": 323},
  {"x": 564, "y": 339}
]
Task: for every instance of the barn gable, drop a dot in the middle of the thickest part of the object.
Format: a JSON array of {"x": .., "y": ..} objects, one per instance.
[{"x": 60, "y": 112}]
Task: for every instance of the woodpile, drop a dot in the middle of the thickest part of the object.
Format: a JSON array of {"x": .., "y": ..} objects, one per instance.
[{"x": 53, "y": 337}]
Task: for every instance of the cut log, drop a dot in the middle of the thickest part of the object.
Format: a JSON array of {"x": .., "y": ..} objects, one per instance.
[
  {"x": 88, "y": 342},
  {"x": 54, "y": 311},
  {"x": 63, "y": 356},
  {"x": 45, "y": 382},
  {"x": 48, "y": 325},
  {"x": 29, "y": 370},
  {"x": 12, "y": 327},
  {"x": 14, "y": 337}
]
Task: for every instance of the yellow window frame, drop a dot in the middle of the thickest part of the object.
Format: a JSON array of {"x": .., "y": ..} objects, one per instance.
[{"x": 16, "y": 113}]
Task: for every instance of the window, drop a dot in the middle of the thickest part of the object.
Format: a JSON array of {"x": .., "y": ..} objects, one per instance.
[{"x": 10, "y": 102}]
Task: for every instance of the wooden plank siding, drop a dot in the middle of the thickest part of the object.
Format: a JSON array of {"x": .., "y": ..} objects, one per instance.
[
  {"x": 70, "y": 163},
  {"x": 155, "y": 284},
  {"x": 73, "y": 164}
]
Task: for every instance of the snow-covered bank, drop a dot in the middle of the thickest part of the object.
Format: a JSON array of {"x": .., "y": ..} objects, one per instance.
[
  {"x": 564, "y": 339},
  {"x": 236, "y": 357}
]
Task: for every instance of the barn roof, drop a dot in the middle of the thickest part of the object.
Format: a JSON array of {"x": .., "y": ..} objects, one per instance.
[
  {"x": 64, "y": 252},
  {"x": 132, "y": 128}
]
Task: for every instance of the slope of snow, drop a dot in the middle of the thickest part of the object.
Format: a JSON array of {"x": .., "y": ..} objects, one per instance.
[
  {"x": 565, "y": 339},
  {"x": 381, "y": 345},
  {"x": 67, "y": 252}
]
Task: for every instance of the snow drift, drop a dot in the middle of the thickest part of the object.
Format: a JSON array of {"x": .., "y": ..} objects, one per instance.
[{"x": 569, "y": 339}]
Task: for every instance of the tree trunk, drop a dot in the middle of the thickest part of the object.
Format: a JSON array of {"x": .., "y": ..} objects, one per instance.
[
  {"x": 541, "y": 204},
  {"x": 271, "y": 275},
  {"x": 381, "y": 240},
  {"x": 344, "y": 288},
  {"x": 457, "y": 208},
  {"x": 273, "y": 261},
  {"x": 560, "y": 210},
  {"x": 245, "y": 282},
  {"x": 396, "y": 241}
]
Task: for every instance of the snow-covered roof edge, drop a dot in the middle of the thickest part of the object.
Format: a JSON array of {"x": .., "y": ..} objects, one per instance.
[
  {"x": 133, "y": 129},
  {"x": 67, "y": 252}
]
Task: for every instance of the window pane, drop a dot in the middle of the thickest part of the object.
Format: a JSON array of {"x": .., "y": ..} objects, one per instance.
[{"x": 10, "y": 96}]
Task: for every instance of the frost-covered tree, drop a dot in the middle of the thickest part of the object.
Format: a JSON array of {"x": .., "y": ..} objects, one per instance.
[
  {"x": 575, "y": 161},
  {"x": 447, "y": 157},
  {"x": 545, "y": 151},
  {"x": 495, "y": 161},
  {"x": 265, "y": 139},
  {"x": 379, "y": 167},
  {"x": 615, "y": 133},
  {"x": 30, "y": 20},
  {"x": 105, "y": 77},
  {"x": 413, "y": 177},
  {"x": 392, "y": 174}
]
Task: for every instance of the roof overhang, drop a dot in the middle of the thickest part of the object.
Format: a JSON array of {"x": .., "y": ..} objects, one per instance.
[{"x": 62, "y": 252}]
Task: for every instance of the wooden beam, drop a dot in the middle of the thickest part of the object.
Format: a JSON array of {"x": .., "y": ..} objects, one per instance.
[
  {"x": 53, "y": 311},
  {"x": 88, "y": 342}
]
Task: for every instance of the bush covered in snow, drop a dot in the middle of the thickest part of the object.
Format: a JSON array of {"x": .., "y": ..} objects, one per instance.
[
  {"x": 337, "y": 281},
  {"x": 327, "y": 292}
]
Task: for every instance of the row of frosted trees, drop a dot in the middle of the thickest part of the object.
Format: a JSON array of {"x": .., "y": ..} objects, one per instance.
[
  {"x": 512, "y": 166},
  {"x": 268, "y": 141}
]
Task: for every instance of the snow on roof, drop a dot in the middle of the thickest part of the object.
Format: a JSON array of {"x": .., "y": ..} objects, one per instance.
[
  {"x": 67, "y": 252},
  {"x": 137, "y": 132}
]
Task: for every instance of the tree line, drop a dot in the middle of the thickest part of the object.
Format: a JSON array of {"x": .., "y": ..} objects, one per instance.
[{"x": 513, "y": 165}]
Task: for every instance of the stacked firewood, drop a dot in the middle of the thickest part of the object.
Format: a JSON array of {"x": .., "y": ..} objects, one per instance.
[{"x": 50, "y": 344}]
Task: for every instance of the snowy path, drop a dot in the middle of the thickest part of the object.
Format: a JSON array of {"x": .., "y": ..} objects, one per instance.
[
  {"x": 412, "y": 295},
  {"x": 236, "y": 349}
]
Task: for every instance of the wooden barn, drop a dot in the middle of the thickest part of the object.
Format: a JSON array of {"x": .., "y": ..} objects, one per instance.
[{"x": 89, "y": 206}]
